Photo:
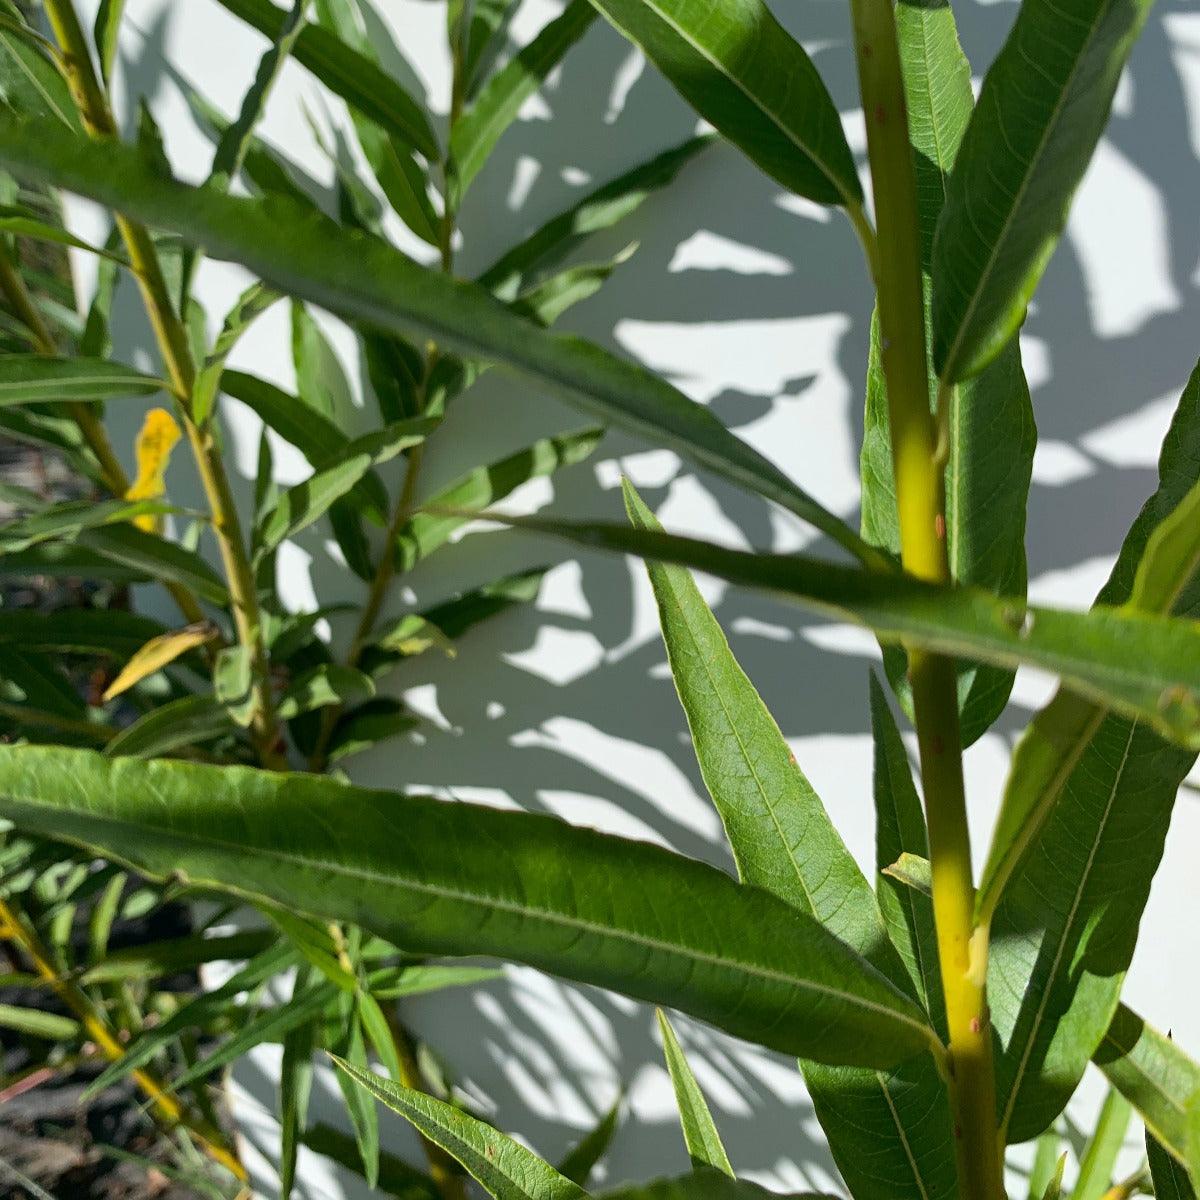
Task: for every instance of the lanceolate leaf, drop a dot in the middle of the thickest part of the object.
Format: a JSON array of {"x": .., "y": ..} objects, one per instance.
[
  {"x": 577, "y": 1164},
  {"x": 467, "y": 880},
  {"x": 1170, "y": 1178},
  {"x": 347, "y": 73},
  {"x": 360, "y": 277},
  {"x": 505, "y": 1168},
  {"x": 601, "y": 209},
  {"x": 703, "y": 1185},
  {"x": 1088, "y": 801},
  {"x": 1154, "y": 1075},
  {"x": 35, "y": 378},
  {"x": 499, "y": 101},
  {"x": 700, "y": 1132},
  {"x": 1099, "y": 1159},
  {"x": 148, "y": 553},
  {"x": 252, "y": 303},
  {"x": 429, "y": 530},
  {"x": 157, "y": 653},
  {"x": 991, "y": 428},
  {"x": 738, "y": 67},
  {"x": 783, "y": 841},
  {"x": 1130, "y": 661},
  {"x": 189, "y": 721},
  {"x": 1041, "y": 111}
]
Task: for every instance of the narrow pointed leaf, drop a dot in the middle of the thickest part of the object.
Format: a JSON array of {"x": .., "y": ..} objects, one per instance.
[
  {"x": 1154, "y": 1075},
  {"x": 295, "y": 1089},
  {"x": 463, "y": 879},
  {"x": 360, "y": 1103},
  {"x": 699, "y": 1130},
  {"x": 1169, "y": 1176},
  {"x": 741, "y": 71},
  {"x": 78, "y": 631},
  {"x": 599, "y": 210},
  {"x": 579, "y": 1162},
  {"x": 1041, "y": 111},
  {"x": 703, "y": 1185},
  {"x": 252, "y": 303},
  {"x": 347, "y": 73},
  {"x": 505, "y": 1168},
  {"x": 163, "y": 560},
  {"x": 1100, "y": 1157},
  {"x": 783, "y": 841},
  {"x": 500, "y": 99},
  {"x": 189, "y": 721},
  {"x": 396, "y": 1177},
  {"x": 106, "y": 32},
  {"x": 35, "y": 378},
  {"x": 426, "y": 531},
  {"x": 30, "y": 83},
  {"x": 71, "y": 518},
  {"x": 1046, "y": 1162},
  {"x": 32, "y": 1021},
  {"x": 1139, "y": 664},
  {"x": 326, "y": 684},
  {"x": 1088, "y": 800},
  {"x": 368, "y": 724},
  {"x": 305, "y": 255}
]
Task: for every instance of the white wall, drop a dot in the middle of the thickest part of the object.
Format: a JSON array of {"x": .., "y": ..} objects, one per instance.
[{"x": 757, "y": 304}]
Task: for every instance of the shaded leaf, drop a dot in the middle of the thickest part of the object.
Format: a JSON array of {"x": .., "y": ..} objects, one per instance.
[
  {"x": 699, "y": 1130},
  {"x": 37, "y": 378}
]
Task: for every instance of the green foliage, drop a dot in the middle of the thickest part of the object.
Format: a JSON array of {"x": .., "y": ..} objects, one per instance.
[{"x": 164, "y": 745}]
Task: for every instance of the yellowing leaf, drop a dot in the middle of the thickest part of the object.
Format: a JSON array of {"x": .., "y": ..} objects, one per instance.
[
  {"x": 155, "y": 441},
  {"x": 156, "y": 654}
]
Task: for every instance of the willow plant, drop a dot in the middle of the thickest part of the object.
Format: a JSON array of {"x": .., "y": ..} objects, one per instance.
[
  {"x": 240, "y": 678},
  {"x": 942, "y": 1014}
]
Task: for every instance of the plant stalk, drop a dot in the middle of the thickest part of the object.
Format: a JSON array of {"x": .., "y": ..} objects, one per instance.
[
  {"x": 173, "y": 344},
  {"x": 920, "y": 500},
  {"x": 170, "y": 1113}
]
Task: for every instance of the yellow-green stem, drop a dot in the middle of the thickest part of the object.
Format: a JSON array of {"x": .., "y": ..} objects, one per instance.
[
  {"x": 168, "y": 1110},
  {"x": 173, "y": 344},
  {"x": 920, "y": 503}
]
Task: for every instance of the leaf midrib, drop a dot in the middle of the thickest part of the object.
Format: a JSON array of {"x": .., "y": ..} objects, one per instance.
[
  {"x": 1019, "y": 197},
  {"x": 439, "y": 892}
]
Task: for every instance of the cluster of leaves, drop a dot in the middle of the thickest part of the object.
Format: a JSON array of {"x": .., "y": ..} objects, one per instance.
[{"x": 801, "y": 954}]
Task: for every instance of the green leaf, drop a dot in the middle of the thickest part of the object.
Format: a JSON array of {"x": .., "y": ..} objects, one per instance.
[
  {"x": 1100, "y": 1158},
  {"x": 699, "y": 1130},
  {"x": 505, "y": 1168},
  {"x": 579, "y": 1162},
  {"x": 77, "y": 631},
  {"x": 364, "y": 726},
  {"x": 1153, "y": 1074},
  {"x": 742, "y": 72},
  {"x": 548, "y": 300},
  {"x": 70, "y": 518},
  {"x": 900, "y": 831},
  {"x": 156, "y": 959},
  {"x": 1139, "y": 664},
  {"x": 411, "y": 635},
  {"x": 252, "y": 303},
  {"x": 42, "y": 683},
  {"x": 425, "y": 532},
  {"x": 306, "y": 502},
  {"x": 323, "y": 685},
  {"x": 360, "y": 1106},
  {"x": 1088, "y": 799},
  {"x": 30, "y": 84},
  {"x": 35, "y": 1023},
  {"x": 783, "y": 841},
  {"x": 157, "y": 558},
  {"x": 703, "y": 1185},
  {"x": 396, "y": 1177},
  {"x": 1170, "y": 1178},
  {"x": 991, "y": 429},
  {"x": 601, "y": 209},
  {"x": 106, "y": 32},
  {"x": 464, "y": 880},
  {"x": 347, "y": 73},
  {"x": 195, "y": 1014},
  {"x": 417, "y": 980},
  {"x": 1042, "y": 108},
  {"x": 456, "y": 616},
  {"x": 235, "y": 141},
  {"x": 306, "y": 255},
  {"x": 295, "y": 1089},
  {"x": 190, "y": 721},
  {"x": 23, "y": 226},
  {"x": 314, "y": 435},
  {"x": 500, "y": 99},
  {"x": 1047, "y": 1163},
  {"x": 36, "y": 378}
]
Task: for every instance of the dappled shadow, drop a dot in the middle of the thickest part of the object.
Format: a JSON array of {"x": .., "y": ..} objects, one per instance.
[{"x": 758, "y": 306}]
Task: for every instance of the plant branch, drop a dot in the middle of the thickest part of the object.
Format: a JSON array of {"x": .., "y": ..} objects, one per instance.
[
  {"x": 169, "y": 1111},
  {"x": 920, "y": 503},
  {"x": 172, "y": 339}
]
